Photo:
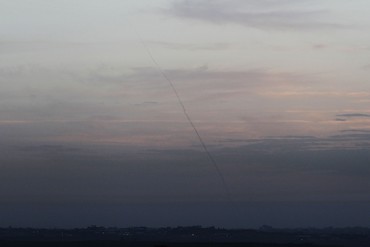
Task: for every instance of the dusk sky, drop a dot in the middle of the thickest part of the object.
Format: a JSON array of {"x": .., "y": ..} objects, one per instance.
[{"x": 92, "y": 133}]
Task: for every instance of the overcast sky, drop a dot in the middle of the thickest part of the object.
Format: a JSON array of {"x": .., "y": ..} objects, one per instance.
[{"x": 91, "y": 132}]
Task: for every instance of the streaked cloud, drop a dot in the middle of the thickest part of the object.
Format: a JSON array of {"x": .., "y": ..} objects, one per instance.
[
  {"x": 265, "y": 14},
  {"x": 193, "y": 83},
  {"x": 192, "y": 47},
  {"x": 347, "y": 140},
  {"x": 307, "y": 93},
  {"x": 356, "y": 130},
  {"x": 354, "y": 115}
]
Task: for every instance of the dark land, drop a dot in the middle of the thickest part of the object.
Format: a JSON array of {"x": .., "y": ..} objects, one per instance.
[{"x": 185, "y": 237}]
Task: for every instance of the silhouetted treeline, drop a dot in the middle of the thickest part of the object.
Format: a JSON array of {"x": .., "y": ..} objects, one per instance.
[
  {"x": 143, "y": 244},
  {"x": 185, "y": 236}
]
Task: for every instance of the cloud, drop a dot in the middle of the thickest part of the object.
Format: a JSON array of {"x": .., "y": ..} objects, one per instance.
[
  {"x": 49, "y": 148},
  {"x": 265, "y": 14},
  {"x": 192, "y": 47},
  {"x": 356, "y": 130},
  {"x": 354, "y": 115},
  {"x": 320, "y": 46},
  {"x": 18, "y": 47},
  {"x": 196, "y": 82},
  {"x": 109, "y": 104},
  {"x": 366, "y": 67},
  {"x": 78, "y": 170},
  {"x": 304, "y": 93},
  {"x": 347, "y": 140},
  {"x": 353, "y": 118}
]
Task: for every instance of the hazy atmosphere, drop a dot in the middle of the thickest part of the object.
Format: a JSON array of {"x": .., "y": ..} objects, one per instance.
[{"x": 92, "y": 133}]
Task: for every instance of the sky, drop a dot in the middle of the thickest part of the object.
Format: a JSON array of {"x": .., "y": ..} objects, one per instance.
[{"x": 92, "y": 133}]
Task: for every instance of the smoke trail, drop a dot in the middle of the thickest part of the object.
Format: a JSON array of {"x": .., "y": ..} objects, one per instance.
[{"x": 204, "y": 146}]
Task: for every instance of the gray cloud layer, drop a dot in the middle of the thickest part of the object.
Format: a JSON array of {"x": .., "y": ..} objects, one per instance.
[
  {"x": 354, "y": 115},
  {"x": 192, "y": 47},
  {"x": 122, "y": 173},
  {"x": 270, "y": 14}
]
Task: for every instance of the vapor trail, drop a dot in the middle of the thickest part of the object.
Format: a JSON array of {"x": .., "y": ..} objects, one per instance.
[{"x": 205, "y": 148}]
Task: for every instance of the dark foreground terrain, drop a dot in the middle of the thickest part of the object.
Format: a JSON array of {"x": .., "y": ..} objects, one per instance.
[
  {"x": 143, "y": 244},
  {"x": 194, "y": 236}
]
